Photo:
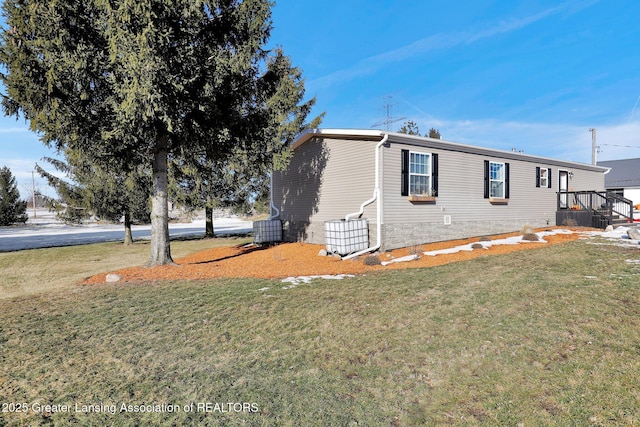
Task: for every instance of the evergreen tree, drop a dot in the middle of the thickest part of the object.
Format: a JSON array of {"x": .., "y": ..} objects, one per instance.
[
  {"x": 134, "y": 83},
  {"x": 434, "y": 133},
  {"x": 92, "y": 190},
  {"x": 277, "y": 117},
  {"x": 72, "y": 204},
  {"x": 12, "y": 209},
  {"x": 410, "y": 128}
]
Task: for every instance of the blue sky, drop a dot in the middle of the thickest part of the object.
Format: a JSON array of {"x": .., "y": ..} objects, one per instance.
[{"x": 532, "y": 75}]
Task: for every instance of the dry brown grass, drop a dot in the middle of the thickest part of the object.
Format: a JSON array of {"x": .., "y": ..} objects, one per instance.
[
  {"x": 539, "y": 337},
  {"x": 49, "y": 270}
]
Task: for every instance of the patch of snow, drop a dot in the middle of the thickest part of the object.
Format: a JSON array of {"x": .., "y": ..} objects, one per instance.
[
  {"x": 453, "y": 250},
  {"x": 633, "y": 261},
  {"x": 263, "y": 289},
  {"x": 307, "y": 279},
  {"x": 52, "y": 233},
  {"x": 402, "y": 259},
  {"x": 515, "y": 240},
  {"x": 618, "y": 237},
  {"x": 617, "y": 233}
]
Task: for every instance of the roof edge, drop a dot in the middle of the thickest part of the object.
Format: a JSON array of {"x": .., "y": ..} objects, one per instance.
[
  {"x": 437, "y": 143},
  {"x": 344, "y": 133}
]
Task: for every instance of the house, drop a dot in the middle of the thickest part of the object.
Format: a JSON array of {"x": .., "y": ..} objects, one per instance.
[
  {"x": 624, "y": 178},
  {"x": 413, "y": 190}
]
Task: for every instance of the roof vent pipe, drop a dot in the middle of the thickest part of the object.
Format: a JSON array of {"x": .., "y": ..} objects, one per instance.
[{"x": 376, "y": 196}]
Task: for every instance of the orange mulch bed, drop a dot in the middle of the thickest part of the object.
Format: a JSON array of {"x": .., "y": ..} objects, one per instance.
[{"x": 299, "y": 259}]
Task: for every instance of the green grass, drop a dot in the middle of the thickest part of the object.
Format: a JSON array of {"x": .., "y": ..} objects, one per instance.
[{"x": 543, "y": 337}]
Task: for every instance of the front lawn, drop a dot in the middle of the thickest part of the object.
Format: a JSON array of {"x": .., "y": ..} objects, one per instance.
[{"x": 540, "y": 337}]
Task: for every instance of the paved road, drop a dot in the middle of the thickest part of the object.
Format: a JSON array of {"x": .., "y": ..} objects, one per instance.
[{"x": 54, "y": 235}]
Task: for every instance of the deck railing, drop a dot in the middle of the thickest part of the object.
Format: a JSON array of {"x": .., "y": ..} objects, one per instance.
[{"x": 604, "y": 204}]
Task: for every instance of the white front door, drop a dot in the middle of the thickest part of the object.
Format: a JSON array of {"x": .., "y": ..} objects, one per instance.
[{"x": 563, "y": 188}]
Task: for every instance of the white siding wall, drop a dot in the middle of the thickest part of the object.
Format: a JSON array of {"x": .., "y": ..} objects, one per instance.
[
  {"x": 330, "y": 178},
  {"x": 461, "y": 196},
  {"x": 326, "y": 180},
  {"x": 348, "y": 179},
  {"x": 461, "y": 190}
]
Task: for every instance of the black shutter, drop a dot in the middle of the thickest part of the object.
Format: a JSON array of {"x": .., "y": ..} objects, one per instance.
[
  {"x": 404, "y": 191},
  {"x": 549, "y": 178},
  {"x": 486, "y": 179},
  {"x": 538, "y": 176},
  {"x": 434, "y": 174},
  {"x": 506, "y": 180}
]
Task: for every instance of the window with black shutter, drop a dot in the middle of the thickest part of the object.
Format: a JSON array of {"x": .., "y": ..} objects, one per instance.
[
  {"x": 496, "y": 180},
  {"x": 434, "y": 174},
  {"x": 419, "y": 176},
  {"x": 543, "y": 177},
  {"x": 405, "y": 173}
]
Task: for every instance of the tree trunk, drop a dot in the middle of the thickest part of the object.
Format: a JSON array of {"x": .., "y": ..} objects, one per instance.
[
  {"x": 160, "y": 247},
  {"x": 208, "y": 213},
  {"x": 128, "y": 237}
]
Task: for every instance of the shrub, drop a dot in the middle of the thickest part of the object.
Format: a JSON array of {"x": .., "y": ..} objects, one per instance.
[
  {"x": 570, "y": 222},
  {"x": 531, "y": 237},
  {"x": 372, "y": 260},
  {"x": 527, "y": 229},
  {"x": 415, "y": 249},
  {"x": 477, "y": 246}
]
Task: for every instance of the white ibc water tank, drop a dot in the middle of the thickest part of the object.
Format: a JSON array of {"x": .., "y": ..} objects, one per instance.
[
  {"x": 267, "y": 231},
  {"x": 346, "y": 236}
]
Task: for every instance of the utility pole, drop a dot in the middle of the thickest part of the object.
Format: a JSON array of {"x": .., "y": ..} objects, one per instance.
[{"x": 594, "y": 147}]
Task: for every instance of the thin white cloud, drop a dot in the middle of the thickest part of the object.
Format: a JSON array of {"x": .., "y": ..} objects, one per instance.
[
  {"x": 440, "y": 41},
  {"x": 10, "y": 130},
  {"x": 555, "y": 140},
  {"x": 620, "y": 141},
  {"x": 505, "y": 26},
  {"x": 19, "y": 168},
  {"x": 26, "y": 177},
  {"x": 633, "y": 110}
]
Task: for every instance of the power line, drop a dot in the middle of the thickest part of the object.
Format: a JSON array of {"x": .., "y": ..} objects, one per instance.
[
  {"x": 625, "y": 146},
  {"x": 389, "y": 119}
]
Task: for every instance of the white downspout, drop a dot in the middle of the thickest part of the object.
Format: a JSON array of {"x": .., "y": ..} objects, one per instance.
[
  {"x": 272, "y": 206},
  {"x": 377, "y": 195}
]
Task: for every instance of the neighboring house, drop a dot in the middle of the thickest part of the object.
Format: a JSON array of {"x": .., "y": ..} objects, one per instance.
[
  {"x": 414, "y": 190},
  {"x": 624, "y": 178}
]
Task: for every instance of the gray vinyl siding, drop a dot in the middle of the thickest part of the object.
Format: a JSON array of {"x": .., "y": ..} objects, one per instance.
[
  {"x": 582, "y": 180},
  {"x": 461, "y": 189},
  {"x": 327, "y": 179},
  {"x": 330, "y": 177},
  {"x": 461, "y": 196}
]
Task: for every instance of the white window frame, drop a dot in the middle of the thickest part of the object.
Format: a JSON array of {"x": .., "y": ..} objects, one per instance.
[
  {"x": 503, "y": 168},
  {"x": 427, "y": 174},
  {"x": 544, "y": 177}
]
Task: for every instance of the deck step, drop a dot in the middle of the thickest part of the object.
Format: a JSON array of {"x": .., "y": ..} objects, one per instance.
[{"x": 620, "y": 221}]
